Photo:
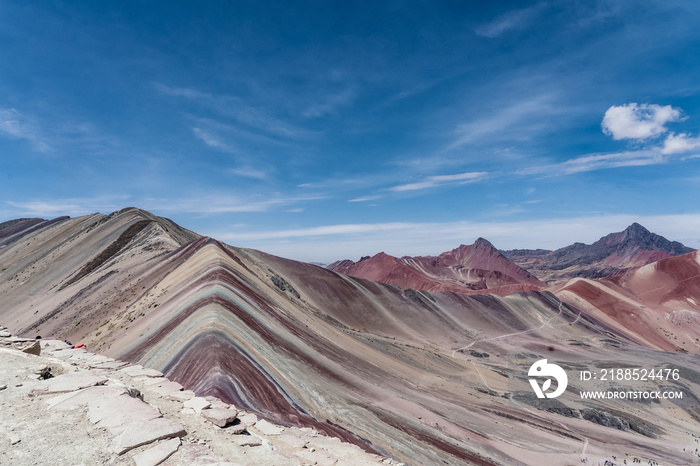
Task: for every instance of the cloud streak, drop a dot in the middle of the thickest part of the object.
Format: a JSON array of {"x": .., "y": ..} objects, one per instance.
[
  {"x": 512, "y": 21},
  {"x": 442, "y": 180},
  {"x": 18, "y": 126},
  {"x": 520, "y": 120},
  {"x": 228, "y": 106},
  {"x": 69, "y": 206},
  {"x": 593, "y": 162},
  {"x": 365, "y": 199},
  {"x": 211, "y": 140}
]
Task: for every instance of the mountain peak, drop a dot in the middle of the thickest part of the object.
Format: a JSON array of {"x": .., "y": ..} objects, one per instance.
[
  {"x": 637, "y": 231},
  {"x": 482, "y": 242}
]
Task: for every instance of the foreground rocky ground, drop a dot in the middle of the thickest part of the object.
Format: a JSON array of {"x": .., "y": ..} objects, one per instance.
[{"x": 70, "y": 406}]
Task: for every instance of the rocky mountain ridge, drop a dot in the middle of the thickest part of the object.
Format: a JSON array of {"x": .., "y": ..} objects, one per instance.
[
  {"x": 465, "y": 269},
  {"x": 611, "y": 255}
]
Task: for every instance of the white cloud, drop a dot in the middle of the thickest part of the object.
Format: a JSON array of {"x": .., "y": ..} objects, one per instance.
[
  {"x": 440, "y": 180},
  {"x": 679, "y": 143},
  {"x": 638, "y": 121}
]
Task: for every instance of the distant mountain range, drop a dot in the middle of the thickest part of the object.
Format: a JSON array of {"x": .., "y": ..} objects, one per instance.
[
  {"x": 611, "y": 255},
  {"x": 466, "y": 269},
  {"x": 480, "y": 266}
]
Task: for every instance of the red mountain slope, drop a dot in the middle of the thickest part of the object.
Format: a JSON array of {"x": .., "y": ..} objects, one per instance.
[
  {"x": 466, "y": 269},
  {"x": 655, "y": 305}
]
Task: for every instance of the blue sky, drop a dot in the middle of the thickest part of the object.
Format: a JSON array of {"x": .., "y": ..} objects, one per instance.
[{"x": 326, "y": 129}]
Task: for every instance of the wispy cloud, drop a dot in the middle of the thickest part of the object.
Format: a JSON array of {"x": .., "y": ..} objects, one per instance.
[
  {"x": 222, "y": 204},
  {"x": 330, "y": 103},
  {"x": 512, "y": 21},
  {"x": 235, "y": 108},
  {"x": 195, "y": 204},
  {"x": 598, "y": 162},
  {"x": 442, "y": 180},
  {"x": 181, "y": 91},
  {"x": 520, "y": 120},
  {"x": 211, "y": 140},
  {"x": 249, "y": 172},
  {"x": 16, "y": 125},
  {"x": 365, "y": 199},
  {"x": 328, "y": 230},
  {"x": 69, "y": 206}
]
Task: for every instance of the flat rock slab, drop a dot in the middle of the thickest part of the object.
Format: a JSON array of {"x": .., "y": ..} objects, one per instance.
[
  {"x": 146, "y": 381},
  {"x": 156, "y": 455},
  {"x": 54, "y": 344},
  {"x": 139, "y": 371},
  {"x": 236, "y": 429},
  {"x": 248, "y": 419},
  {"x": 220, "y": 417},
  {"x": 182, "y": 396},
  {"x": 247, "y": 440},
  {"x": 318, "y": 457},
  {"x": 197, "y": 403},
  {"x": 110, "y": 365},
  {"x": 68, "y": 352},
  {"x": 132, "y": 367},
  {"x": 268, "y": 428},
  {"x": 72, "y": 381},
  {"x": 217, "y": 403},
  {"x": 195, "y": 454},
  {"x": 98, "y": 358},
  {"x": 165, "y": 388},
  {"x": 82, "y": 356},
  {"x": 117, "y": 414},
  {"x": 292, "y": 440},
  {"x": 142, "y": 433},
  {"x": 72, "y": 400}
]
